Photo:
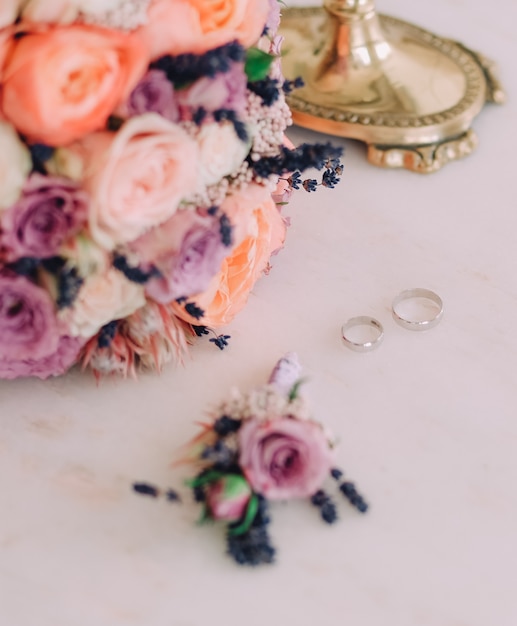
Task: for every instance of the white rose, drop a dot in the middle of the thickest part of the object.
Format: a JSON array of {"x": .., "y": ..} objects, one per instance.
[
  {"x": 15, "y": 165},
  {"x": 221, "y": 152},
  {"x": 102, "y": 299}
]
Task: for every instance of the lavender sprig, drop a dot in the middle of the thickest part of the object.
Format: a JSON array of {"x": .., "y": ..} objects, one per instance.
[
  {"x": 301, "y": 158},
  {"x": 186, "y": 68}
]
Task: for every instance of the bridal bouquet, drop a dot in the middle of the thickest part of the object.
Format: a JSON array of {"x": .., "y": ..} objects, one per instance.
[{"x": 143, "y": 167}]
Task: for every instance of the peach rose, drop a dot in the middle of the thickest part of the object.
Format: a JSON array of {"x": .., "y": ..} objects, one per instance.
[
  {"x": 254, "y": 212},
  {"x": 200, "y": 25},
  {"x": 137, "y": 177},
  {"x": 63, "y": 82},
  {"x": 103, "y": 298}
]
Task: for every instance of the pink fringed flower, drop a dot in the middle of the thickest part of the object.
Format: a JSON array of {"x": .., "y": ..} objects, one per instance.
[
  {"x": 160, "y": 336},
  {"x": 149, "y": 339}
]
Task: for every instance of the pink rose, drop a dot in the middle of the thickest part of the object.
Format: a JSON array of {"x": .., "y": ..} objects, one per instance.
[
  {"x": 137, "y": 177},
  {"x": 284, "y": 458},
  {"x": 187, "y": 251},
  {"x": 227, "y": 498}
]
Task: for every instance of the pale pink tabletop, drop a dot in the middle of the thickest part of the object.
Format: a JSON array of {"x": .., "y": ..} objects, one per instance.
[{"x": 427, "y": 423}]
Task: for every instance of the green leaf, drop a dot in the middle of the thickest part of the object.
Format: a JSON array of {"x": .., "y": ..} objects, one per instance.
[
  {"x": 249, "y": 516},
  {"x": 205, "y": 479},
  {"x": 293, "y": 394},
  {"x": 204, "y": 516},
  {"x": 257, "y": 64}
]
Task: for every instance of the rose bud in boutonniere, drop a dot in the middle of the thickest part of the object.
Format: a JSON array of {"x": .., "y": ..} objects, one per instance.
[{"x": 228, "y": 497}]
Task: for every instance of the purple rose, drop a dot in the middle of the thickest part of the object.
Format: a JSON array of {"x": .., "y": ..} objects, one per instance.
[
  {"x": 153, "y": 94},
  {"x": 228, "y": 497},
  {"x": 284, "y": 457},
  {"x": 50, "y": 210},
  {"x": 187, "y": 250},
  {"x": 225, "y": 91},
  {"x": 28, "y": 325},
  {"x": 55, "y": 364}
]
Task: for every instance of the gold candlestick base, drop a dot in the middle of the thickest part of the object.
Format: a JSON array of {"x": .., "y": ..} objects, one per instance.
[{"x": 409, "y": 94}]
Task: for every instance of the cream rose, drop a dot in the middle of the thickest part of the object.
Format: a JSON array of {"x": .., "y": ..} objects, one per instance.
[
  {"x": 137, "y": 177},
  {"x": 15, "y": 165},
  {"x": 65, "y": 11},
  {"x": 57, "y": 12},
  {"x": 9, "y": 10},
  {"x": 221, "y": 152},
  {"x": 103, "y": 298}
]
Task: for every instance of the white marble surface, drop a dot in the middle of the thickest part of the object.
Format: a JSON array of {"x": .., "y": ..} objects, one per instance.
[{"x": 428, "y": 423}]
